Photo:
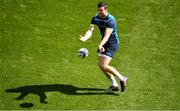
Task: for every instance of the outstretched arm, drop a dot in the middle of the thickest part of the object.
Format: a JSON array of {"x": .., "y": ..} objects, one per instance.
[{"x": 88, "y": 34}]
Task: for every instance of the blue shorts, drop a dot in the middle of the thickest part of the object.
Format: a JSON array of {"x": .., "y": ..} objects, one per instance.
[{"x": 110, "y": 49}]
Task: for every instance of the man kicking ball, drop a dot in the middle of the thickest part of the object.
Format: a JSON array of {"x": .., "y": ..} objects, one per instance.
[{"x": 108, "y": 45}]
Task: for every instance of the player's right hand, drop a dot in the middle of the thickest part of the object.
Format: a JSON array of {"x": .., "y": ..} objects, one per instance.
[{"x": 82, "y": 38}]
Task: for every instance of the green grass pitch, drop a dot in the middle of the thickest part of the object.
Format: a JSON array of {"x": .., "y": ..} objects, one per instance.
[{"x": 39, "y": 40}]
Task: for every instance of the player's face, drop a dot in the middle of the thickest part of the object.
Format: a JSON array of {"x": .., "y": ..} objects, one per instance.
[{"x": 102, "y": 12}]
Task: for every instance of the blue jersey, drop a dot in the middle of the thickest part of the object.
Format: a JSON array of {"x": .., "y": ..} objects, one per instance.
[{"x": 108, "y": 22}]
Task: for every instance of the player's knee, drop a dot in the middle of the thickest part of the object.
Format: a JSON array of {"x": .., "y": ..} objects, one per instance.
[{"x": 103, "y": 66}]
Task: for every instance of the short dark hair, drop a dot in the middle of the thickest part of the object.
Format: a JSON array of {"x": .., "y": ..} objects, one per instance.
[{"x": 102, "y": 4}]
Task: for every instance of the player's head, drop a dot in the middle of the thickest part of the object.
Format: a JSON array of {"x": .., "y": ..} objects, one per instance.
[{"x": 102, "y": 9}]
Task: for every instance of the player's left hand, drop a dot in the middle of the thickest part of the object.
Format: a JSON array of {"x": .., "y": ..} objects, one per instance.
[{"x": 101, "y": 49}]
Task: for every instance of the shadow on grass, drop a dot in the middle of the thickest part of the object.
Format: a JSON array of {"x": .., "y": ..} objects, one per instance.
[
  {"x": 40, "y": 90},
  {"x": 26, "y": 105}
]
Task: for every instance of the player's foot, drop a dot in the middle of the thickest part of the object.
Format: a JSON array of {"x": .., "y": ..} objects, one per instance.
[
  {"x": 123, "y": 84},
  {"x": 113, "y": 88}
]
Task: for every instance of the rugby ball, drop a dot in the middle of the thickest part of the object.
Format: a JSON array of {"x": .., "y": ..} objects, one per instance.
[{"x": 83, "y": 52}]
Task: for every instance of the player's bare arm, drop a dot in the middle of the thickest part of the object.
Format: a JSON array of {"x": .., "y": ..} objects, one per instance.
[
  {"x": 107, "y": 34},
  {"x": 88, "y": 33}
]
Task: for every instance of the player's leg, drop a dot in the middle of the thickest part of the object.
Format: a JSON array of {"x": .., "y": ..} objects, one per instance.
[
  {"x": 114, "y": 84},
  {"x": 110, "y": 77},
  {"x": 104, "y": 61},
  {"x": 123, "y": 80}
]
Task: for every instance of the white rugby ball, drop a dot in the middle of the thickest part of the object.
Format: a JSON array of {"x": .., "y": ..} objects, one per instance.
[{"x": 83, "y": 52}]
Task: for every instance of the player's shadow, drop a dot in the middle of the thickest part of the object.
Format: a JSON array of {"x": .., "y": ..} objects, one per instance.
[{"x": 40, "y": 90}]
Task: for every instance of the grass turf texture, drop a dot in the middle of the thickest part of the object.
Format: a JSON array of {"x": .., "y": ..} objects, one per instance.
[{"x": 39, "y": 41}]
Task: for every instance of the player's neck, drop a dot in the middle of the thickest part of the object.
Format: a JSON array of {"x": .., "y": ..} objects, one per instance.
[{"x": 104, "y": 17}]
